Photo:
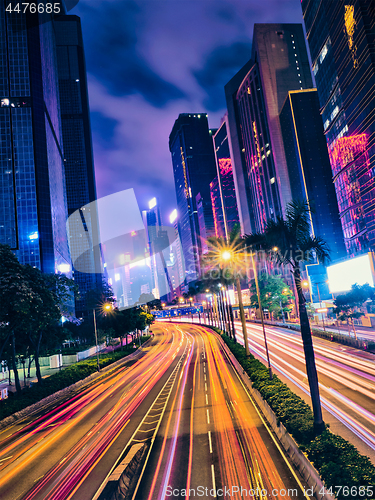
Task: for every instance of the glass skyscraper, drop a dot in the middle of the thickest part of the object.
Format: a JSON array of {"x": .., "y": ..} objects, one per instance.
[
  {"x": 309, "y": 167},
  {"x": 190, "y": 144},
  {"x": 33, "y": 207},
  {"x": 225, "y": 207},
  {"x": 279, "y": 63},
  {"x": 340, "y": 35},
  {"x": 78, "y": 155}
]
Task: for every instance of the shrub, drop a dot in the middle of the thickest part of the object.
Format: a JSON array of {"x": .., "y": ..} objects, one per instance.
[{"x": 59, "y": 380}]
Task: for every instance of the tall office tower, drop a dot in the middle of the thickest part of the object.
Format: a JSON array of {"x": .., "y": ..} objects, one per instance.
[
  {"x": 190, "y": 144},
  {"x": 76, "y": 133},
  {"x": 225, "y": 179},
  {"x": 279, "y": 63},
  {"x": 32, "y": 183},
  {"x": 158, "y": 243},
  {"x": 341, "y": 40},
  {"x": 217, "y": 208},
  {"x": 309, "y": 168},
  {"x": 177, "y": 272}
]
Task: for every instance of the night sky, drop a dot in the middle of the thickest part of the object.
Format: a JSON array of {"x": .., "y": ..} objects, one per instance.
[{"x": 148, "y": 61}]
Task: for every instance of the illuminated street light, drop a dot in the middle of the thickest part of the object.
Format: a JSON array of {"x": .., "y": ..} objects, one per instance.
[{"x": 226, "y": 255}]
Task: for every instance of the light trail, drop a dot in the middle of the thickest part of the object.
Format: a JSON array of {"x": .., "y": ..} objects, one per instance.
[
  {"x": 33, "y": 440},
  {"x": 350, "y": 370}
]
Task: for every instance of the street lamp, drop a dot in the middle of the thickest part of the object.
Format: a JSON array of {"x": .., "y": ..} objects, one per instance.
[
  {"x": 227, "y": 255},
  {"x": 96, "y": 341},
  {"x": 261, "y": 311},
  {"x": 285, "y": 290}
]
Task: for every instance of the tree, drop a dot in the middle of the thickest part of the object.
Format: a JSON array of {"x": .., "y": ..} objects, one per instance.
[
  {"x": 123, "y": 322},
  {"x": 274, "y": 293},
  {"x": 348, "y": 305},
  {"x": 17, "y": 302},
  {"x": 56, "y": 292},
  {"x": 288, "y": 240}
]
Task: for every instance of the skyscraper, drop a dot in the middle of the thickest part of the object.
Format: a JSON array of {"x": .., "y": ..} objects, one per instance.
[
  {"x": 177, "y": 271},
  {"x": 309, "y": 168},
  {"x": 225, "y": 182},
  {"x": 158, "y": 243},
  {"x": 279, "y": 64},
  {"x": 76, "y": 133},
  {"x": 190, "y": 144},
  {"x": 32, "y": 182},
  {"x": 340, "y": 35}
]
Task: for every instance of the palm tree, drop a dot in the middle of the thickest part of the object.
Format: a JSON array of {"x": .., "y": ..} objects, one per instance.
[{"x": 290, "y": 242}]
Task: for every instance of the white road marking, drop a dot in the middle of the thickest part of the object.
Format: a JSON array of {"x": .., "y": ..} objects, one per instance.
[
  {"x": 208, "y": 416},
  {"x": 209, "y": 441},
  {"x": 213, "y": 479},
  {"x": 206, "y": 400}
]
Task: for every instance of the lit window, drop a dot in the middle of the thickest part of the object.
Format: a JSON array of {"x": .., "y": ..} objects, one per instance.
[
  {"x": 326, "y": 124},
  {"x": 323, "y": 53},
  {"x": 334, "y": 112},
  {"x": 117, "y": 277}
]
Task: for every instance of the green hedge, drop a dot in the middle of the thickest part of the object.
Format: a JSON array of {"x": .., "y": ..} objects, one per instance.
[
  {"x": 338, "y": 462},
  {"x": 64, "y": 378}
]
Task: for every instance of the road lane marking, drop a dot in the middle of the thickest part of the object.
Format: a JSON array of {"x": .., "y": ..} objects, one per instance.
[
  {"x": 206, "y": 399},
  {"x": 205, "y": 378},
  {"x": 205, "y": 386},
  {"x": 266, "y": 426},
  {"x": 209, "y": 441},
  {"x": 208, "y": 416},
  {"x": 213, "y": 479}
]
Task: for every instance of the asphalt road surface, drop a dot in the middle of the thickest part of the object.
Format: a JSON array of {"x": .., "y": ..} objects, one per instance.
[{"x": 181, "y": 396}]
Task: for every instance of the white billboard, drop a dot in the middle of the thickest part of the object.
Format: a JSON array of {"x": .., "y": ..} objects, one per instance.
[{"x": 342, "y": 276}]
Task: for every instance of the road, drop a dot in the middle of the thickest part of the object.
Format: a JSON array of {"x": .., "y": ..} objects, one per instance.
[
  {"x": 183, "y": 398},
  {"x": 346, "y": 379}
]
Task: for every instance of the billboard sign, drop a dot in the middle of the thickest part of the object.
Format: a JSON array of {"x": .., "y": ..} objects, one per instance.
[{"x": 342, "y": 276}]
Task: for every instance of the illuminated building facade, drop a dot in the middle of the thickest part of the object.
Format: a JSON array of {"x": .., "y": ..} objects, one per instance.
[
  {"x": 340, "y": 35},
  {"x": 279, "y": 63},
  {"x": 225, "y": 206},
  {"x": 309, "y": 168},
  {"x": 176, "y": 261},
  {"x": 217, "y": 208},
  {"x": 191, "y": 147},
  {"x": 33, "y": 207},
  {"x": 76, "y": 135},
  {"x": 157, "y": 242}
]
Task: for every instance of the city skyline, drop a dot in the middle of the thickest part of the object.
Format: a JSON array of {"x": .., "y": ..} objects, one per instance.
[{"x": 173, "y": 67}]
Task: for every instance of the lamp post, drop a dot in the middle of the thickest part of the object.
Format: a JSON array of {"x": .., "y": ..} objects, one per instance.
[
  {"x": 96, "y": 341},
  {"x": 261, "y": 313},
  {"x": 307, "y": 284},
  {"x": 227, "y": 255},
  {"x": 281, "y": 305}
]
